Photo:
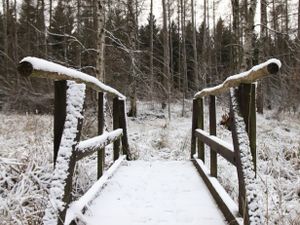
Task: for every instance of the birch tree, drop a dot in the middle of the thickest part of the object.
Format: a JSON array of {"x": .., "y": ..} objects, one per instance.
[
  {"x": 100, "y": 64},
  {"x": 132, "y": 45}
]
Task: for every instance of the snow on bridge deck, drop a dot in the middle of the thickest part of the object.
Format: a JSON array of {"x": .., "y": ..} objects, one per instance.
[{"x": 155, "y": 193}]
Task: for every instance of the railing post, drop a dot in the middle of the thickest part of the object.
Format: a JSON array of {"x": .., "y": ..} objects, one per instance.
[
  {"x": 60, "y": 88},
  {"x": 246, "y": 99},
  {"x": 123, "y": 125},
  {"x": 200, "y": 124},
  {"x": 197, "y": 122},
  {"x": 252, "y": 125},
  {"x": 194, "y": 126},
  {"x": 101, "y": 152},
  {"x": 248, "y": 195},
  {"x": 116, "y": 125},
  {"x": 213, "y": 131}
]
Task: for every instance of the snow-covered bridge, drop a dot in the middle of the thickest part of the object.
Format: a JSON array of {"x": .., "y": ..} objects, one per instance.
[{"x": 140, "y": 192}]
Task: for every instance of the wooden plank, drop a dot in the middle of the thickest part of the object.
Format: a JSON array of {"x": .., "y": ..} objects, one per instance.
[
  {"x": 223, "y": 200},
  {"x": 60, "y": 88},
  {"x": 213, "y": 131},
  {"x": 116, "y": 125},
  {"x": 218, "y": 145},
  {"x": 101, "y": 153}
]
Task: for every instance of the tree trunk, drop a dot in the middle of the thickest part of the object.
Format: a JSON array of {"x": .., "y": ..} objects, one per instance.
[
  {"x": 262, "y": 54},
  {"x": 166, "y": 57},
  {"x": 132, "y": 44},
  {"x": 236, "y": 31},
  {"x": 151, "y": 53},
  {"x": 248, "y": 19},
  {"x": 196, "y": 72},
  {"x": 183, "y": 34},
  {"x": 299, "y": 19},
  {"x": 78, "y": 49},
  {"x": 100, "y": 65}
]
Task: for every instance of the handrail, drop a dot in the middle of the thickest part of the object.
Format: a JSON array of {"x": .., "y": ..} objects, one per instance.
[
  {"x": 70, "y": 86},
  {"x": 36, "y": 67},
  {"x": 271, "y": 66},
  {"x": 243, "y": 128}
]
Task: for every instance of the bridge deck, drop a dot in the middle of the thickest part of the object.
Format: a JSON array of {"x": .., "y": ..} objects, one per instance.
[{"x": 155, "y": 193}]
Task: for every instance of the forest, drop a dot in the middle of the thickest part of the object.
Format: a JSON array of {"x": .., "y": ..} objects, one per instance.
[{"x": 163, "y": 61}]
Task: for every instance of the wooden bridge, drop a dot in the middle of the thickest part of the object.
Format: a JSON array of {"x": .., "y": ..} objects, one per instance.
[{"x": 139, "y": 192}]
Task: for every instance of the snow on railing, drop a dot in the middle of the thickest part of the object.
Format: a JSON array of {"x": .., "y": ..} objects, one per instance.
[
  {"x": 88, "y": 147},
  {"x": 68, "y": 119},
  {"x": 257, "y": 72},
  {"x": 251, "y": 201},
  {"x": 242, "y": 124},
  {"x": 36, "y": 67},
  {"x": 61, "y": 175}
]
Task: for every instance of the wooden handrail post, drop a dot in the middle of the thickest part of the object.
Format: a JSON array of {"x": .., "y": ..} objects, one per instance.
[
  {"x": 252, "y": 125},
  {"x": 213, "y": 131},
  {"x": 123, "y": 125},
  {"x": 116, "y": 125},
  {"x": 194, "y": 126},
  {"x": 246, "y": 100},
  {"x": 197, "y": 122},
  {"x": 60, "y": 88},
  {"x": 101, "y": 152},
  {"x": 200, "y": 124}
]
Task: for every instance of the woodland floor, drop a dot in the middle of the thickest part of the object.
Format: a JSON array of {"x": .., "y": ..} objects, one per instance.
[{"x": 26, "y": 159}]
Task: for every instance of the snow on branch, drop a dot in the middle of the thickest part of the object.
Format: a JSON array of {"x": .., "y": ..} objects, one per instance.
[
  {"x": 89, "y": 146},
  {"x": 75, "y": 102},
  {"x": 36, "y": 67},
  {"x": 271, "y": 66}
]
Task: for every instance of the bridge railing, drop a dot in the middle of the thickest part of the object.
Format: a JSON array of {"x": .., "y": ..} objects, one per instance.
[
  {"x": 242, "y": 154},
  {"x": 70, "y": 88}
]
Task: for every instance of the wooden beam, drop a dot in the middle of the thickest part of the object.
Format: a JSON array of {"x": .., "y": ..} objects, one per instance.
[
  {"x": 271, "y": 66},
  {"x": 90, "y": 146},
  {"x": 218, "y": 145},
  {"x": 224, "y": 201},
  {"x": 35, "y": 67}
]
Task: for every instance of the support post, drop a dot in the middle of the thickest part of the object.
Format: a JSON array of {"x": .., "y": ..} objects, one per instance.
[
  {"x": 246, "y": 100},
  {"x": 116, "y": 125},
  {"x": 197, "y": 122},
  {"x": 123, "y": 125},
  {"x": 213, "y": 131},
  {"x": 200, "y": 122},
  {"x": 194, "y": 126},
  {"x": 101, "y": 152},
  {"x": 252, "y": 125},
  {"x": 60, "y": 88}
]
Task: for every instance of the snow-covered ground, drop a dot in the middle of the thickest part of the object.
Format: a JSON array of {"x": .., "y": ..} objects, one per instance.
[
  {"x": 26, "y": 159},
  {"x": 155, "y": 193}
]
